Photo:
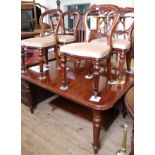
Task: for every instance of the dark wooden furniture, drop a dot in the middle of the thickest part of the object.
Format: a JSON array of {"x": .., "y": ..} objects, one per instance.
[
  {"x": 25, "y": 35},
  {"x": 129, "y": 104},
  {"x": 66, "y": 31},
  {"x": 122, "y": 47},
  {"x": 80, "y": 90},
  {"x": 43, "y": 43},
  {"x": 33, "y": 9},
  {"x": 125, "y": 53},
  {"x": 38, "y": 94},
  {"x": 90, "y": 51}
]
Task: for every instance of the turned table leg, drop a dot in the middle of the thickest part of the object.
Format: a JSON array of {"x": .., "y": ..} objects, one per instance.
[
  {"x": 41, "y": 63},
  {"x": 96, "y": 77},
  {"x": 97, "y": 121},
  {"x": 29, "y": 96}
]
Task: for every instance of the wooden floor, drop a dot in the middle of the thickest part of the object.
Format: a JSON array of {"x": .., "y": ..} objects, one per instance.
[{"x": 42, "y": 132}]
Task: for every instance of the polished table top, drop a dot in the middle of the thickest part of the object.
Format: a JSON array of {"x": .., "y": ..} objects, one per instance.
[{"x": 80, "y": 89}]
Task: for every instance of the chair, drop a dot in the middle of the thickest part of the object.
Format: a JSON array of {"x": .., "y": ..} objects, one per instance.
[
  {"x": 44, "y": 42},
  {"x": 67, "y": 34},
  {"x": 90, "y": 51},
  {"x": 122, "y": 46}
]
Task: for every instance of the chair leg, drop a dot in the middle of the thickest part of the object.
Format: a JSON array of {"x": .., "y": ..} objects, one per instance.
[
  {"x": 57, "y": 57},
  {"x": 128, "y": 61},
  {"x": 64, "y": 80},
  {"x": 89, "y": 69},
  {"x": 96, "y": 77},
  {"x": 46, "y": 56},
  {"x": 109, "y": 73},
  {"x": 121, "y": 65},
  {"x": 97, "y": 121},
  {"x": 41, "y": 63}
]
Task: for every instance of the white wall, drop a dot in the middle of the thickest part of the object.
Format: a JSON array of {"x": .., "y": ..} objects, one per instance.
[
  {"x": 122, "y": 3},
  {"x": 52, "y": 3}
]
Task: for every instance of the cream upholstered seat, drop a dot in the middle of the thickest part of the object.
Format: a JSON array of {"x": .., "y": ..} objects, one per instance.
[
  {"x": 66, "y": 38},
  {"x": 39, "y": 42},
  {"x": 86, "y": 49},
  {"x": 116, "y": 43}
]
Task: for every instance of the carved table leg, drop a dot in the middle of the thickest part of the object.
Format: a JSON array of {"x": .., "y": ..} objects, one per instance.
[
  {"x": 96, "y": 77},
  {"x": 29, "y": 96},
  {"x": 64, "y": 82},
  {"x": 97, "y": 121},
  {"x": 41, "y": 63}
]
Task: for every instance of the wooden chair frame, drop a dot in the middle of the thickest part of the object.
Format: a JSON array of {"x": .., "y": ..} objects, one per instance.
[
  {"x": 44, "y": 51},
  {"x": 96, "y": 62},
  {"x": 97, "y": 117},
  {"x": 127, "y": 53},
  {"x": 75, "y": 28}
]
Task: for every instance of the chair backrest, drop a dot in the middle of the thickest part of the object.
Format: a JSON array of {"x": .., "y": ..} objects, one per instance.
[
  {"x": 74, "y": 17},
  {"x": 111, "y": 15},
  {"x": 125, "y": 26},
  {"x": 51, "y": 14}
]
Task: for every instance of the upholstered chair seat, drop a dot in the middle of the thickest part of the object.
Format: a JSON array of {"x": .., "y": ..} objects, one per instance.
[
  {"x": 86, "y": 50},
  {"x": 116, "y": 43},
  {"x": 39, "y": 42},
  {"x": 66, "y": 38}
]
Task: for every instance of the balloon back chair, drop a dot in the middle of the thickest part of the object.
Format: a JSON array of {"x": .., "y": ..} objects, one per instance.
[
  {"x": 124, "y": 46},
  {"x": 45, "y": 41},
  {"x": 68, "y": 33},
  {"x": 122, "y": 42},
  {"x": 90, "y": 51}
]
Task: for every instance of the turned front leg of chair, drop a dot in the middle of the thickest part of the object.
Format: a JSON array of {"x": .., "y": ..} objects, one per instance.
[
  {"x": 97, "y": 121},
  {"x": 41, "y": 63},
  {"x": 64, "y": 80},
  {"x": 23, "y": 60},
  {"x": 109, "y": 73},
  {"x": 122, "y": 59},
  {"x": 57, "y": 57},
  {"x": 128, "y": 61},
  {"x": 96, "y": 77},
  {"x": 89, "y": 69},
  {"x": 46, "y": 56},
  {"x": 29, "y": 96}
]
